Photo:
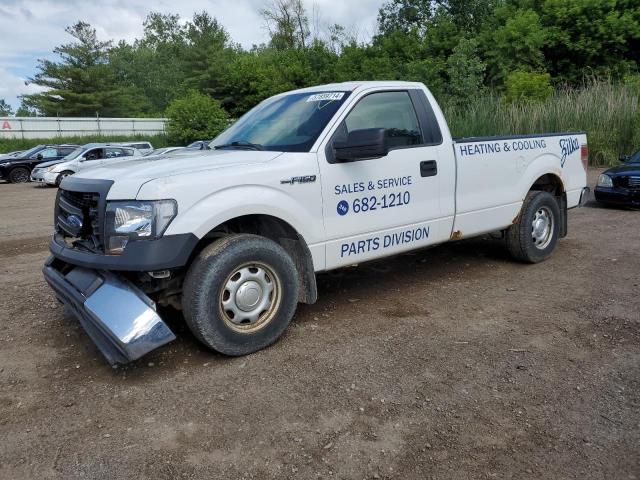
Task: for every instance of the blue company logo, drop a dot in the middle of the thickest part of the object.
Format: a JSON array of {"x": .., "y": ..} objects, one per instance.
[
  {"x": 568, "y": 146},
  {"x": 343, "y": 207},
  {"x": 74, "y": 221}
]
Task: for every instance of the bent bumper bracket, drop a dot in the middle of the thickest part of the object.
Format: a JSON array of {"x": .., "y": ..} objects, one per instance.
[{"x": 120, "y": 319}]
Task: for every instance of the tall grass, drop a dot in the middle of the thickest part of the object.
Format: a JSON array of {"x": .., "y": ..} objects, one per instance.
[
  {"x": 12, "y": 144},
  {"x": 608, "y": 112}
]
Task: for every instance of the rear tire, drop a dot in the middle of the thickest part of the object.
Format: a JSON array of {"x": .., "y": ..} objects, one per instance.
[
  {"x": 19, "y": 175},
  {"x": 535, "y": 234},
  {"x": 240, "y": 294},
  {"x": 62, "y": 176}
]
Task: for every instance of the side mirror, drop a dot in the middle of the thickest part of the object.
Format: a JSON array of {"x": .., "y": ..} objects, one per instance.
[
  {"x": 362, "y": 144},
  {"x": 624, "y": 158},
  {"x": 39, "y": 156}
]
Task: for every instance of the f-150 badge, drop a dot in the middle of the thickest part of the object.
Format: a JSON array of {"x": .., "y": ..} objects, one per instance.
[{"x": 303, "y": 179}]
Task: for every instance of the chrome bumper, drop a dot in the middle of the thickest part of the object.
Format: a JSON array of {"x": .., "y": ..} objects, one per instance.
[
  {"x": 120, "y": 319},
  {"x": 584, "y": 196}
]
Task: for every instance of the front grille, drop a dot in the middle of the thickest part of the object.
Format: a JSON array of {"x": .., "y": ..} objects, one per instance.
[
  {"x": 633, "y": 182},
  {"x": 78, "y": 217}
]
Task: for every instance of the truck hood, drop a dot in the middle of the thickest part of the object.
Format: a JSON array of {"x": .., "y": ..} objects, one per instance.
[{"x": 129, "y": 175}]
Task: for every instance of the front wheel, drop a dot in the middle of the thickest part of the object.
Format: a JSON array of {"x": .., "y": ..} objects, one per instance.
[
  {"x": 19, "y": 175},
  {"x": 535, "y": 234},
  {"x": 240, "y": 294},
  {"x": 62, "y": 176}
]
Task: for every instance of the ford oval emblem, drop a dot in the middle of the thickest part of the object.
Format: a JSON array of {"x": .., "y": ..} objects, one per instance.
[{"x": 75, "y": 221}]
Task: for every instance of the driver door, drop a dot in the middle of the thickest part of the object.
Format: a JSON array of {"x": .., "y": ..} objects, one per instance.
[{"x": 379, "y": 206}]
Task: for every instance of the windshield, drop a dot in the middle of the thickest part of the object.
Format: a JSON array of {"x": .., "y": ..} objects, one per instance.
[
  {"x": 74, "y": 153},
  {"x": 290, "y": 123},
  {"x": 30, "y": 152},
  {"x": 635, "y": 158}
]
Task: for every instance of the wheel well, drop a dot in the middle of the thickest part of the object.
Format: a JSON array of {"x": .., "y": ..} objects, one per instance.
[
  {"x": 553, "y": 184},
  {"x": 279, "y": 231},
  {"x": 549, "y": 183}
]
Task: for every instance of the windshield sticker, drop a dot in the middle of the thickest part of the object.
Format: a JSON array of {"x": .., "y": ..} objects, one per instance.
[{"x": 330, "y": 96}]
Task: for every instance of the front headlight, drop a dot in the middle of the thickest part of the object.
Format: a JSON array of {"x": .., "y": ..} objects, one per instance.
[
  {"x": 5, "y": 164},
  {"x": 51, "y": 168},
  {"x": 136, "y": 220},
  {"x": 605, "y": 181}
]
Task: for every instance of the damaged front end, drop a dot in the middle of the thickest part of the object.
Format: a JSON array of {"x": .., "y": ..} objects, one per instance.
[
  {"x": 100, "y": 288},
  {"x": 120, "y": 319}
]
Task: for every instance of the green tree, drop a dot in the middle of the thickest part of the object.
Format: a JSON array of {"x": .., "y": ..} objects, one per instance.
[
  {"x": 25, "y": 109},
  {"x": 528, "y": 87},
  {"x": 599, "y": 37},
  {"x": 82, "y": 83},
  {"x": 207, "y": 55},
  {"x": 5, "y": 108},
  {"x": 516, "y": 44},
  {"x": 194, "y": 117},
  {"x": 404, "y": 16},
  {"x": 465, "y": 71},
  {"x": 155, "y": 64}
]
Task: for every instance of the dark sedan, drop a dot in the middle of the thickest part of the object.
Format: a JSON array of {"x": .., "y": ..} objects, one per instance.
[
  {"x": 621, "y": 185},
  {"x": 18, "y": 169}
]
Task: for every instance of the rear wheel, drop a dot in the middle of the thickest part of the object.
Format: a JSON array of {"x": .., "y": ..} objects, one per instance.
[
  {"x": 19, "y": 175},
  {"x": 535, "y": 234},
  {"x": 62, "y": 176},
  {"x": 240, "y": 293}
]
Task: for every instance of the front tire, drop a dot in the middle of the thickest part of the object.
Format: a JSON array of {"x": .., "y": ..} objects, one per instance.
[
  {"x": 19, "y": 175},
  {"x": 240, "y": 294},
  {"x": 535, "y": 234},
  {"x": 62, "y": 176}
]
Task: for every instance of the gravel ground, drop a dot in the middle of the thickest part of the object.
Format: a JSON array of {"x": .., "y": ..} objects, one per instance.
[{"x": 447, "y": 363}]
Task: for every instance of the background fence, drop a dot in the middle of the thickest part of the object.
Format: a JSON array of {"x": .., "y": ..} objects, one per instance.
[{"x": 52, "y": 127}]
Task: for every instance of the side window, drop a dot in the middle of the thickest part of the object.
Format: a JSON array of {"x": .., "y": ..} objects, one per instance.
[
  {"x": 49, "y": 153},
  {"x": 64, "y": 151},
  {"x": 392, "y": 111},
  {"x": 128, "y": 152},
  {"x": 95, "y": 154},
  {"x": 115, "y": 152}
]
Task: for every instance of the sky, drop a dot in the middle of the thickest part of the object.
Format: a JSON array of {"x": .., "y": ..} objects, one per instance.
[{"x": 31, "y": 29}]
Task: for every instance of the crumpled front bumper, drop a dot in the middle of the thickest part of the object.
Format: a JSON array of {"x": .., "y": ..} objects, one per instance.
[{"x": 120, "y": 319}]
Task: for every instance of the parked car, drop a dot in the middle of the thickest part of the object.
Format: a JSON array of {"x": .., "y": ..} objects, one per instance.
[
  {"x": 12, "y": 154},
  {"x": 88, "y": 156},
  {"x": 164, "y": 151},
  {"x": 200, "y": 145},
  {"x": 17, "y": 169},
  {"x": 307, "y": 181},
  {"x": 143, "y": 147},
  {"x": 621, "y": 185}
]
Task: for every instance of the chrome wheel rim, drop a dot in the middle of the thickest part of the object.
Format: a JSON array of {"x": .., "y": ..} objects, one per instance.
[
  {"x": 542, "y": 228},
  {"x": 250, "y": 297}
]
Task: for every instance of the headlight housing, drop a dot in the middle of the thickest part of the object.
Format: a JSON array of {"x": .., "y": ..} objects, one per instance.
[
  {"x": 605, "y": 181},
  {"x": 130, "y": 220},
  {"x": 50, "y": 168}
]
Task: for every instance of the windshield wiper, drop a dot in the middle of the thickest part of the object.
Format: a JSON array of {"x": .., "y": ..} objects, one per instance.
[{"x": 240, "y": 144}]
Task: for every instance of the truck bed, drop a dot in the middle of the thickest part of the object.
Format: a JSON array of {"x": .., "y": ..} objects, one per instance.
[{"x": 493, "y": 172}]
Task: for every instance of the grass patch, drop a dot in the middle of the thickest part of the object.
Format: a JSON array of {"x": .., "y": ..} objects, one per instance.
[
  {"x": 12, "y": 144},
  {"x": 607, "y": 111}
]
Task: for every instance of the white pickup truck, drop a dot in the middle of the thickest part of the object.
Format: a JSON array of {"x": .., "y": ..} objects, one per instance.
[{"x": 307, "y": 181}]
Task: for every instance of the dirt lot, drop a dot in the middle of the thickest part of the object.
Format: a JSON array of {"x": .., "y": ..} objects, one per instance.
[{"x": 452, "y": 362}]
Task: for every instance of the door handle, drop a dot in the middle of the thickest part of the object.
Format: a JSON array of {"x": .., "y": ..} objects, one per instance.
[{"x": 428, "y": 168}]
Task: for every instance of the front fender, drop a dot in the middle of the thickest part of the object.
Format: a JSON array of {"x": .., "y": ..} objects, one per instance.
[{"x": 232, "y": 202}]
